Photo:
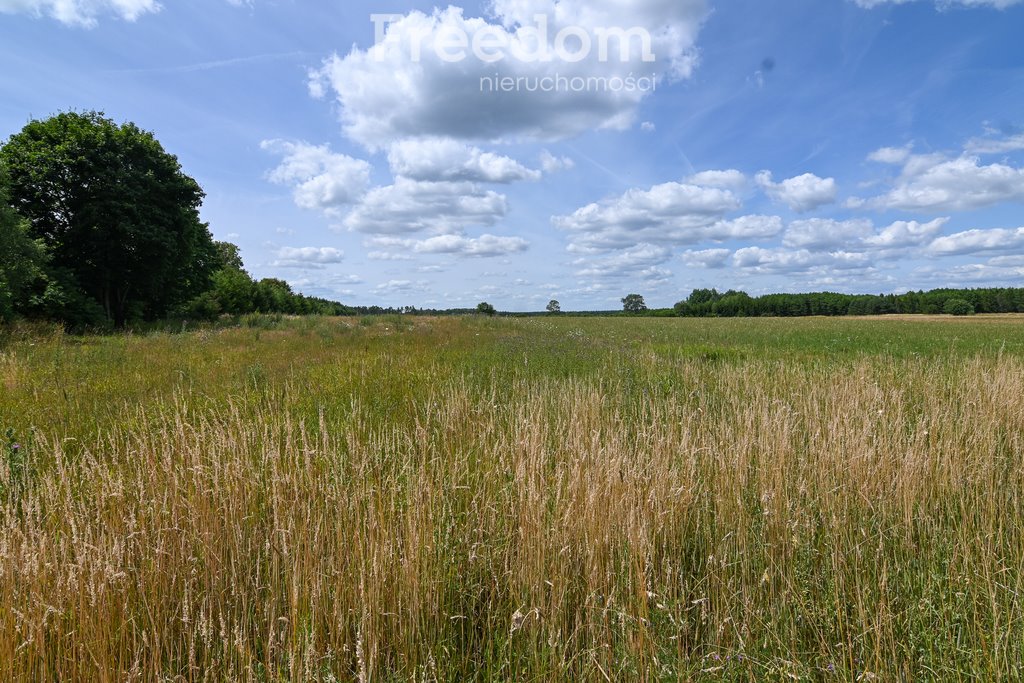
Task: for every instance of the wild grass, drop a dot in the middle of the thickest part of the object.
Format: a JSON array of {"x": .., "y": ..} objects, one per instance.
[{"x": 552, "y": 499}]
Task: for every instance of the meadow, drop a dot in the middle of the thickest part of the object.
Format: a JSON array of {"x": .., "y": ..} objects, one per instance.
[{"x": 541, "y": 499}]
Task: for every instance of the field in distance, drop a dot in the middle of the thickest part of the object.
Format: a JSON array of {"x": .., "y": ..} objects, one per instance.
[{"x": 447, "y": 499}]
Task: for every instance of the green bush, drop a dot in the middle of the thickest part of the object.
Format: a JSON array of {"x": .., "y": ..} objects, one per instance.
[{"x": 958, "y": 307}]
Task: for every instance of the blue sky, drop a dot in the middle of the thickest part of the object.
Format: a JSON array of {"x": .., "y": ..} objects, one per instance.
[{"x": 848, "y": 145}]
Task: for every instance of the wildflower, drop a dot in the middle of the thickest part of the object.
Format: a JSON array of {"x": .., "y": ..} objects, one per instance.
[
  {"x": 517, "y": 621},
  {"x": 15, "y": 447}
]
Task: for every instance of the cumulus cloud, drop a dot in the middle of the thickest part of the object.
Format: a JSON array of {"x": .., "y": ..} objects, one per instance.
[
  {"x": 637, "y": 262},
  {"x": 726, "y": 180},
  {"x": 392, "y": 286},
  {"x": 781, "y": 261},
  {"x": 903, "y": 234},
  {"x": 825, "y": 233},
  {"x": 308, "y": 257},
  {"x": 319, "y": 178},
  {"x": 935, "y": 182},
  {"x": 890, "y": 155},
  {"x": 978, "y": 241},
  {"x": 822, "y": 234},
  {"x": 706, "y": 258},
  {"x": 410, "y": 83},
  {"x": 410, "y": 206},
  {"x": 552, "y": 164},
  {"x": 802, "y": 193},
  {"x": 441, "y": 159},
  {"x": 485, "y": 246},
  {"x": 671, "y": 213},
  {"x": 994, "y": 272}
]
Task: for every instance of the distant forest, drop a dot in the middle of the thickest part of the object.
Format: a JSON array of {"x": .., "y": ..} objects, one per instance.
[{"x": 709, "y": 302}]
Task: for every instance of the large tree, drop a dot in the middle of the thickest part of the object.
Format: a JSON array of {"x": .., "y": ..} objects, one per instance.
[
  {"x": 117, "y": 214},
  {"x": 633, "y": 303},
  {"x": 21, "y": 259}
]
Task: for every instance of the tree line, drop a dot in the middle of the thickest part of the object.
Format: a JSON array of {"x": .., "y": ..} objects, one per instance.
[
  {"x": 711, "y": 303},
  {"x": 99, "y": 226}
]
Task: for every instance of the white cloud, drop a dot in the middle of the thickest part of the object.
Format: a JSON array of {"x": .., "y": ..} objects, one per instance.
[
  {"x": 552, "y": 164},
  {"x": 726, "y": 180},
  {"x": 387, "y": 256},
  {"x": 779, "y": 261},
  {"x": 1008, "y": 261},
  {"x": 944, "y": 4},
  {"x": 671, "y": 213},
  {"x": 638, "y": 262},
  {"x": 706, "y": 258},
  {"x": 320, "y": 178},
  {"x": 802, "y": 193},
  {"x": 745, "y": 227},
  {"x": 936, "y": 183},
  {"x": 308, "y": 257},
  {"x": 902, "y": 234},
  {"x": 392, "y": 286},
  {"x": 890, "y": 155},
  {"x": 992, "y": 273},
  {"x": 444, "y": 159},
  {"x": 485, "y": 246},
  {"x": 410, "y": 206},
  {"x": 990, "y": 145},
  {"x": 86, "y": 13},
  {"x": 648, "y": 127},
  {"x": 83, "y": 13},
  {"x": 822, "y": 234},
  {"x": 405, "y": 87},
  {"x": 978, "y": 241}
]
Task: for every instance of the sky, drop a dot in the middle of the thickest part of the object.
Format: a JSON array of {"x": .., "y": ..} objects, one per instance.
[{"x": 518, "y": 151}]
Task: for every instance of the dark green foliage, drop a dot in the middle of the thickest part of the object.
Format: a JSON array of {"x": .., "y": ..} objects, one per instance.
[
  {"x": 485, "y": 308},
  {"x": 709, "y": 303},
  {"x": 228, "y": 256},
  {"x": 117, "y": 215},
  {"x": 958, "y": 307},
  {"x": 633, "y": 303},
  {"x": 21, "y": 260},
  {"x": 234, "y": 292}
]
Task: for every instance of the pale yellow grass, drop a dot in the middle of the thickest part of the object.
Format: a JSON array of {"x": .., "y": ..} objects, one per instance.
[{"x": 763, "y": 520}]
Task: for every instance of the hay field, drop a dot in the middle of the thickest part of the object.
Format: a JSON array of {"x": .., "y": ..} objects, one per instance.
[{"x": 548, "y": 499}]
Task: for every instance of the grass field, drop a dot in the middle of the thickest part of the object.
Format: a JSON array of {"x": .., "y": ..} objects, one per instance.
[{"x": 406, "y": 499}]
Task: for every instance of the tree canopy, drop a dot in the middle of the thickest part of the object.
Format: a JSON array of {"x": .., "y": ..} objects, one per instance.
[
  {"x": 21, "y": 259},
  {"x": 633, "y": 303},
  {"x": 116, "y": 214}
]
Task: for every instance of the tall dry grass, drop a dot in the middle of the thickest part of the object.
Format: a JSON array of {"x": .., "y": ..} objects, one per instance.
[{"x": 760, "y": 520}]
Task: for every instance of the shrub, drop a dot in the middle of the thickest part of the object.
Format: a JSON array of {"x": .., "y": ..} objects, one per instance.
[{"x": 958, "y": 307}]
